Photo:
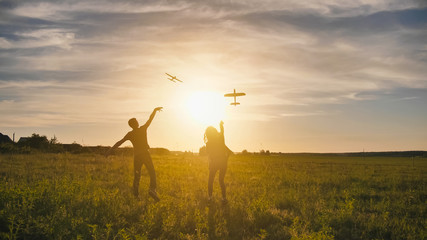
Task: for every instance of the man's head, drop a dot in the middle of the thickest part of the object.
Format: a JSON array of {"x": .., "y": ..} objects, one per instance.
[{"x": 133, "y": 123}]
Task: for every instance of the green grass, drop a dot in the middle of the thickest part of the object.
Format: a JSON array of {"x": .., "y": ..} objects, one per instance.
[{"x": 63, "y": 196}]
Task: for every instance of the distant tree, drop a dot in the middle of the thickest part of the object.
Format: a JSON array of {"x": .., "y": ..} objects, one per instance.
[
  {"x": 264, "y": 152},
  {"x": 36, "y": 141},
  {"x": 7, "y": 148},
  {"x": 55, "y": 146},
  {"x": 245, "y": 152},
  {"x": 14, "y": 148},
  {"x": 54, "y": 140},
  {"x": 202, "y": 151},
  {"x": 159, "y": 151},
  {"x": 73, "y": 148}
]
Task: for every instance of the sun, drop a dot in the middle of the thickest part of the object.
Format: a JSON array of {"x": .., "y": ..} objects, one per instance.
[{"x": 208, "y": 108}]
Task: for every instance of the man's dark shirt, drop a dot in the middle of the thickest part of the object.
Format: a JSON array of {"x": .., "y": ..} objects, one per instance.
[{"x": 138, "y": 138}]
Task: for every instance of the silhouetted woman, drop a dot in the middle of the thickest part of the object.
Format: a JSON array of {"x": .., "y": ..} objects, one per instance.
[
  {"x": 218, "y": 154},
  {"x": 138, "y": 137}
]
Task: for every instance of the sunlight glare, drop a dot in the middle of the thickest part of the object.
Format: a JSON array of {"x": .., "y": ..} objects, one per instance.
[{"x": 207, "y": 108}]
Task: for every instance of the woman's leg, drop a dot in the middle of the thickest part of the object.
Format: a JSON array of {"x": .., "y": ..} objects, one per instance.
[
  {"x": 222, "y": 172},
  {"x": 210, "y": 182}
]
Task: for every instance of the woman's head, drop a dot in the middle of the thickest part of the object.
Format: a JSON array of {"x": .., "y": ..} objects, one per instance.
[{"x": 211, "y": 134}]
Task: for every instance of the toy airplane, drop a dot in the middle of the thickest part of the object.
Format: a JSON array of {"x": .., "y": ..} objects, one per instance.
[
  {"x": 173, "y": 78},
  {"x": 234, "y": 94}
]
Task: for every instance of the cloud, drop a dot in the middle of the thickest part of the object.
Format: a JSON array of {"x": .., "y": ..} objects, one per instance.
[
  {"x": 338, "y": 54},
  {"x": 52, "y": 103},
  {"x": 301, "y": 114},
  {"x": 40, "y": 38},
  {"x": 63, "y": 10}
]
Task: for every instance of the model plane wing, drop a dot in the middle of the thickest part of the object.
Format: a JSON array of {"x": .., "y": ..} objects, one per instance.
[
  {"x": 173, "y": 78},
  {"x": 234, "y": 94}
]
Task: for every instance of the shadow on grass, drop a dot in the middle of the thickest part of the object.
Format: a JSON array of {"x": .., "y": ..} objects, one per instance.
[{"x": 226, "y": 221}]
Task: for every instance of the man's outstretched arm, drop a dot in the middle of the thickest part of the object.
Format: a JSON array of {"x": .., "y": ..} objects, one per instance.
[
  {"x": 147, "y": 124},
  {"x": 110, "y": 151}
]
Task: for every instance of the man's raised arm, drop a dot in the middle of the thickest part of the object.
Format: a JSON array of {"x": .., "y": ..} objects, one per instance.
[{"x": 147, "y": 124}]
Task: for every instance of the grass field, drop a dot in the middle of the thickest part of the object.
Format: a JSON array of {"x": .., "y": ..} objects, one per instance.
[{"x": 64, "y": 196}]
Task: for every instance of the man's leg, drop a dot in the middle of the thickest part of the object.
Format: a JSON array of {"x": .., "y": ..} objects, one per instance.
[
  {"x": 137, "y": 164},
  {"x": 153, "y": 183}
]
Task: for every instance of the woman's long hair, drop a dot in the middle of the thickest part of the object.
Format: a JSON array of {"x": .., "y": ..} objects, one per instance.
[{"x": 211, "y": 134}]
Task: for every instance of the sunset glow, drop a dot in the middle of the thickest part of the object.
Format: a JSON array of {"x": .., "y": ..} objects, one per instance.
[{"x": 208, "y": 108}]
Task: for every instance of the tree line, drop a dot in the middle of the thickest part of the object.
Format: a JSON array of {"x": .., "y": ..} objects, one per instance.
[{"x": 40, "y": 143}]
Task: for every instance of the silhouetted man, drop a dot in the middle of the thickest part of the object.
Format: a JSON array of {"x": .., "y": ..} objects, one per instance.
[{"x": 138, "y": 137}]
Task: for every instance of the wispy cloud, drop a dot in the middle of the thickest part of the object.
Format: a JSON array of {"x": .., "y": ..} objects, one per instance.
[{"x": 40, "y": 38}]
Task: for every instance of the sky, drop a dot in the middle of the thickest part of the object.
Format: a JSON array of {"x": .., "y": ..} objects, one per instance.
[{"x": 319, "y": 76}]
